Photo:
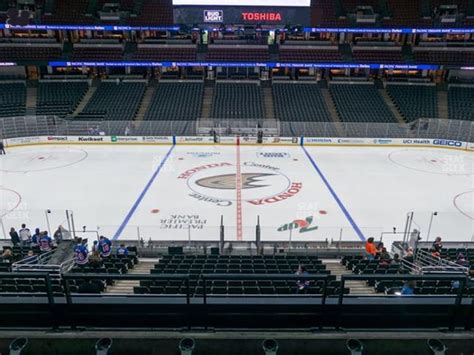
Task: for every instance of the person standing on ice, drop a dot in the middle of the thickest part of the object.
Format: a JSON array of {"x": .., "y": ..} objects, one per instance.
[{"x": 2, "y": 148}]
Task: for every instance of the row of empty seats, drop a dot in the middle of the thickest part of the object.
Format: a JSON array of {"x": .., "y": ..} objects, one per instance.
[
  {"x": 360, "y": 103},
  {"x": 176, "y": 101},
  {"x": 415, "y": 101},
  {"x": 30, "y": 53},
  {"x": 299, "y": 102},
  {"x": 12, "y": 99},
  {"x": 112, "y": 101},
  {"x": 237, "y": 101},
  {"x": 59, "y": 98},
  {"x": 461, "y": 103}
]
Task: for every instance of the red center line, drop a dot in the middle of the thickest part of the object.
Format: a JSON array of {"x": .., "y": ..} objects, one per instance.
[{"x": 238, "y": 188}]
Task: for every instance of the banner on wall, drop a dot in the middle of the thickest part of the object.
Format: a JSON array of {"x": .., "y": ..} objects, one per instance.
[
  {"x": 322, "y": 141},
  {"x": 22, "y": 141}
]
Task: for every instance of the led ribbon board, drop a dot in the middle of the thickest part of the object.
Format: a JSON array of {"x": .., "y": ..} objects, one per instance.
[{"x": 247, "y": 65}]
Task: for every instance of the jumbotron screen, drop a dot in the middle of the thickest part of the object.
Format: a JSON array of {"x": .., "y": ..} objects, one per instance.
[{"x": 272, "y": 3}]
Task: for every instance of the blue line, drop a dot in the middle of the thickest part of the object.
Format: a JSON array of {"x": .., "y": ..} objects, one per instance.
[
  {"x": 338, "y": 200},
  {"x": 141, "y": 196}
]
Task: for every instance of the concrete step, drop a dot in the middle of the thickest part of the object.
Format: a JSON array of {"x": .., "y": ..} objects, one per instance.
[
  {"x": 207, "y": 102},
  {"x": 145, "y": 103},
  {"x": 126, "y": 286},
  {"x": 268, "y": 102},
  {"x": 443, "y": 104},
  {"x": 391, "y": 105},
  {"x": 31, "y": 98},
  {"x": 90, "y": 92}
]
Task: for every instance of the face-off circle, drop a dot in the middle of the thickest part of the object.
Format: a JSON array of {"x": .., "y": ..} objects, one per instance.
[
  {"x": 10, "y": 201},
  {"x": 41, "y": 159},
  {"x": 463, "y": 202},
  {"x": 433, "y": 161}
]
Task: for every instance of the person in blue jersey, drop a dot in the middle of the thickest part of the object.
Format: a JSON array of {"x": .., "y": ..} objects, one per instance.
[
  {"x": 122, "y": 251},
  {"x": 105, "y": 247},
  {"x": 45, "y": 242},
  {"x": 408, "y": 288},
  {"x": 36, "y": 237},
  {"x": 81, "y": 254}
]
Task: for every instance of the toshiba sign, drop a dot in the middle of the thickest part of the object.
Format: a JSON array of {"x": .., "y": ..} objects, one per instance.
[{"x": 261, "y": 16}]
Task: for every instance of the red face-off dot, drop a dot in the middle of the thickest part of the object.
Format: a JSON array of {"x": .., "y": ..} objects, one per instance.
[
  {"x": 155, "y": 210},
  {"x": 323, "y": 212}
]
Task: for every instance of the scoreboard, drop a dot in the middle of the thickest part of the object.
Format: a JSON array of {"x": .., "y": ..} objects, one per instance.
[
  {"x": 247, "y": 12},
  {"x": 271, "y": 3}
]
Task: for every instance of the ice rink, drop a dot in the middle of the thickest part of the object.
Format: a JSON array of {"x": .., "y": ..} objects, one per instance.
[{"x": 181, "y": 192}]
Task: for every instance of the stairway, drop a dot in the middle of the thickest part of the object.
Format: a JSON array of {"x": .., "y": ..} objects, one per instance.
[
  {"x": 443, "y": 104},
  {"x": 391, "y": 105},
  {"x": 356, "y": 287},
  {"x": 330, "y": 105},
  {"x": 126, "y": 286},
  {"x": 146, "y": 101},
  {"x": 85, "y": 100},
  {"x": 268, "y": 102},
  {"x": 31, "y": 97},
  {"x": 207, "y": 101}
]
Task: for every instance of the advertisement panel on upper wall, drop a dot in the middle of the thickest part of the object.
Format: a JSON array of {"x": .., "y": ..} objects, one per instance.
[
  {"x": 272, "y": 3},
  {"x": 241, "y": 15}
]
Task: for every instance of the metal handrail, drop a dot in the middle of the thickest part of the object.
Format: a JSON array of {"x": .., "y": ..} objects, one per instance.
[
  {"x": 435, "y": 264},
  {"x": 87, "y": 276},
  {"x": 458, "y": 299}
]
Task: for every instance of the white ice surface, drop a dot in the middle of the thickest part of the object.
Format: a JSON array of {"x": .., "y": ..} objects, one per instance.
[{"x": 106, "y": 187}]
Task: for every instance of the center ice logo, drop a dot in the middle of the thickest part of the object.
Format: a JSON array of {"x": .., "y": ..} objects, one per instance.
[
  {"x": 303, "y": 225},
  {"x": 260, "y": 184},
  {"x": 228, "y": 182}
]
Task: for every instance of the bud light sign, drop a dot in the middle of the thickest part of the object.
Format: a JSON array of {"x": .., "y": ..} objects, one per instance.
[{"x": 213, "y": 16}]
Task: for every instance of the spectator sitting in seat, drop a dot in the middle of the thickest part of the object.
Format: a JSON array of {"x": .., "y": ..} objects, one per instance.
[
  {"x": 385, "y": 258},
  {"x": 370, "y": 249},
  {"x": 455, "y": 286},
  {"x": 461, "y": 260},
  {"x": 15, "y": 238},
  {"x": 81, "y": 254},
  {"x": 408, "y": 288},
  {"x": 25, "y": 235},
  {"x": 436, "y": 247},
  {"x": 302, "y": 285},
  {"x": 95, "y": 246},
  {"x": 105, "y": 247},
  {"x": 95, "y": 260},
  {"x": 89, "y": 286},
  {"x": 45, "y": 242},
  {"x": 396, "y": 258},
  {"x": 7, "y": 256},
  {"x": 35, "y": 238},
  {"x": 379, "y": 248},
  {"x": 122, "y": 252}
]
